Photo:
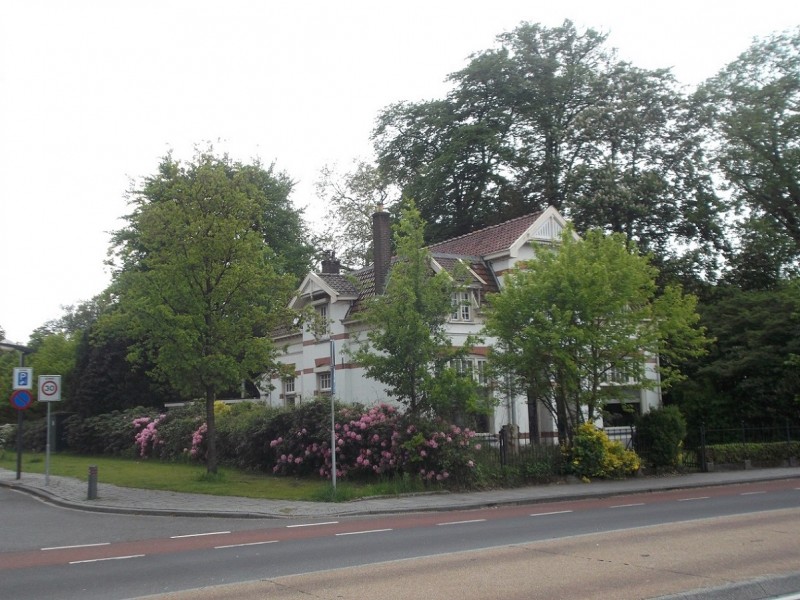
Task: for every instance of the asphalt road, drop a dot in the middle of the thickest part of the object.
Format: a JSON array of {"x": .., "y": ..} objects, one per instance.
[{"x": 509, "y": 552}]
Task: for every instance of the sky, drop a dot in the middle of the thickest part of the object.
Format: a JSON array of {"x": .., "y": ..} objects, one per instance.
[{"x": 94, "y": 93}]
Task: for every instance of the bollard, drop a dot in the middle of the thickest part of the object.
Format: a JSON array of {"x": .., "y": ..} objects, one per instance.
[{"x": 92, "y": 483}]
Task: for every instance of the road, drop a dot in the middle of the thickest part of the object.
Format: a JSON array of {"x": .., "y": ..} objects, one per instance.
[{"x": 666, "y": 542}]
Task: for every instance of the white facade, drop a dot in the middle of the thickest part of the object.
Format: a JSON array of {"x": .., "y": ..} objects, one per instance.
[{"x": 488, "y": 254}]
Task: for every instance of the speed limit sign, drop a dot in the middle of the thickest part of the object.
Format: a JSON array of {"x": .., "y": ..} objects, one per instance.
[{"x": 49, "y": 388}]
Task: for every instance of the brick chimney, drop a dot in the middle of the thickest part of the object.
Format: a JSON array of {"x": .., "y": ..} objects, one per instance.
[
  {"x": 381, "y": 247},
  {"x": 330, "y": 264}
]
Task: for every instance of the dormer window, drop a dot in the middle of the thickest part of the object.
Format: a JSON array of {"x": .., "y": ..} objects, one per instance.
[
  {"x": 321, "y": 327},
  {"x": 462, "y": 306}
]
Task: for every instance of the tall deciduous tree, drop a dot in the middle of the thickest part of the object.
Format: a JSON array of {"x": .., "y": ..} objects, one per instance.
[
  {"x": 748, "y": 375},
  {"x": 755, "y": 112},
  {"x": 551, "y": 117},
  {"x": 406, "y": 343},
  {"x": 199, "y": 287},
  {"x": 581, "y": 315},
  {"x": 351, "y": 199}
]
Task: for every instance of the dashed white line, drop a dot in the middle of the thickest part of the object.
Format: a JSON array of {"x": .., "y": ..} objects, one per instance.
[
  {"x": 191, "y": 535},
  {"x": 555, "y": 512},
  {"x": 246, "y": 544},
  {"x": 752, "y": 493},
  {"x": 627, "y": 505},
  {"x": 365, "y": 531},
  {"x": 463, "y": 522},
  {"x": 93, "y": 560},
  {"x": 76, "y": 546},
  {"x": 692, "y": 499},
  {"x": 312, "y": 524}
]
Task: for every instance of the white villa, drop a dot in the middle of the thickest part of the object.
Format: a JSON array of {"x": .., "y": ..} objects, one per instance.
[{"x": 488, "y": 253}]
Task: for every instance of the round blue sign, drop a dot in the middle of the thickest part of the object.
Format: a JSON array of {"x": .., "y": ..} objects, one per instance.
[{"x": 21, "y": 399}]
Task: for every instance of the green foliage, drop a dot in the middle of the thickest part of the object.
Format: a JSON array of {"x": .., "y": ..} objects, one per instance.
[
  {"x": 659, "y": 436},
  {"x": 550, "y": 116},
  {"x": 594, "y": 455},
  {"x": 110, "y": 434},
  {"x": 772, "y": 454},
  {"x": 747, "y": 374},
  {"x": 582, "y": 312},
  {"x": 199, "y": 287},
  {"x": 406, "y": 343},
  {"x": 351, "y": 199},
  {"x": 378, "y": 442},
  {"x": 245, "y": 433},
  {"x": 753, "y": 117}
]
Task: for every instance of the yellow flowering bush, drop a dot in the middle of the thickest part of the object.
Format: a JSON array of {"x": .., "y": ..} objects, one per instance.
[{"x": 594, "y": 455}]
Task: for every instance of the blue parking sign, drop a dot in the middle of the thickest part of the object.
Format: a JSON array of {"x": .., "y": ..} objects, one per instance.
[{"x": 23, "y": 378}]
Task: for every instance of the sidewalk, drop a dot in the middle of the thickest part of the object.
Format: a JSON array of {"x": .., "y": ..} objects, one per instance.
[{"x": 72, "y": 493}]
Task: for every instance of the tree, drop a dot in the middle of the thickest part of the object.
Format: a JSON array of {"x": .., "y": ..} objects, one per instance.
[
  {"x": 581, "y": 315},
  {"x": 748, "y": 375},
  {"x": 551, "y": 117},
  {"x": 406, "y": 343},
  {"x": 754, "y": 110},
  {"x": 199, "y": 289},
  {"x": 351, "y": 199}
]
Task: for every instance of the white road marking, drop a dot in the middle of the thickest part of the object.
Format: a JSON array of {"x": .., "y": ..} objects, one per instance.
[
  {"x": 190, "y": 535},
  {"x": 365, "y": 531},
  {"x": 556, "y": 512},
  {"x": 80, "y": 562},
  {"x": 77, "y": 546},
  {"x": 627, "y": 505},
  {"x": 463, "y": 522},
  {"x": 691, "y": 499},
  {"x": 752, "y": 493},
  {"x": 247, "y": 544},
  {"x": 312, "y": 524}
]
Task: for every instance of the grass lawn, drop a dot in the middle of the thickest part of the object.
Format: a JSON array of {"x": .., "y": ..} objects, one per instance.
[{"x": 190, "y": 478}]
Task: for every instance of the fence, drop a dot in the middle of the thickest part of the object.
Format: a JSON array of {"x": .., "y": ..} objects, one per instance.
[{"x": 703, "y": 449}]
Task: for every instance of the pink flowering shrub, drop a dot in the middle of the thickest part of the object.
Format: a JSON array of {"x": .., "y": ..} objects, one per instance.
[
  {"x": 374, "y": 442},
  {"x": 199, "y": 447},
  {"x": 146, "y": 439}
]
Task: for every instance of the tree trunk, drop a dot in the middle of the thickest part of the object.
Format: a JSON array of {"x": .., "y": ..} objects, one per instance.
[{"x": 211, "y": 431}]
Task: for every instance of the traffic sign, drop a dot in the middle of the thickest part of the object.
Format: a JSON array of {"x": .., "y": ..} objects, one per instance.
[
  {"x": 21, "y": 399},
  {"x": 49, "y": 388},
  {"x": 23, "y": 378}
]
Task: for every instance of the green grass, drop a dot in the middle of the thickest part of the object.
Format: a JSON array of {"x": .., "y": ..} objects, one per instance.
[{"x": 189, "y": 478}]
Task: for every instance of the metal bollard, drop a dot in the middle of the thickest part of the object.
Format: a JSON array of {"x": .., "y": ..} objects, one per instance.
[{"x": 92, "y": 483}]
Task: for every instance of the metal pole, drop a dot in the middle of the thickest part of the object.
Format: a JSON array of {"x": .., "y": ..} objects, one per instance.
[
  {"x": 19, "y": 426},
  {"x": 47, "y": 450},
  {"x": 333, "y": 416}
]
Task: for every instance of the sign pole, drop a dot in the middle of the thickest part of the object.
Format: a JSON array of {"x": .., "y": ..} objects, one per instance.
[
  {"x": 47, "y": 451},
  {"x": 333, "y": 415},
  {"x": 19, "y": 426},
  {"x": 49, "y": 391}
]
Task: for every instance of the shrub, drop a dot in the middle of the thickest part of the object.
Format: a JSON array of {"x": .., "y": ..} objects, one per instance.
[
  {"x": 244, "y": 434},
  {"x": 8, "y": 434},
  {"x": 594, "y": 455},
  {"x": 659, "y": 436},
  {"x": 770, "y": 453},
  {"x": 372, "y": 443},
  {"x": 111, "y": 433}
]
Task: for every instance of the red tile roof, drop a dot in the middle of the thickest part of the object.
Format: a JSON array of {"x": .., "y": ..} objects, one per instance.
[{"x": 487, "y": 241}]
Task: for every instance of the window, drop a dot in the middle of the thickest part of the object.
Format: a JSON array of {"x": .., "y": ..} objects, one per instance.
[
  {"x": 462, "y": 306},
  {"x": 289, "y": 396},
  {"x": 481, "y": 374},
  {"x": 324, "y": 381},
  {"x": 616, "y": 376},
  {"x": 462, "y": 366},
  {"x": 323, "y": 324}
]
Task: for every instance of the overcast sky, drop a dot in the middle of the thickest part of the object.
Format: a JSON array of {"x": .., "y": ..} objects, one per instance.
[{"x": 93, "y": 93}]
